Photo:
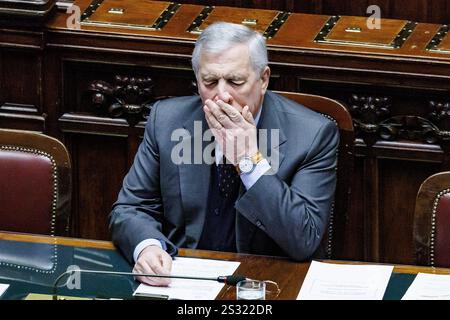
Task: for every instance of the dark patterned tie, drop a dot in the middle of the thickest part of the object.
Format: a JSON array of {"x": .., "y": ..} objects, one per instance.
[{"x": 229, "y": 180}]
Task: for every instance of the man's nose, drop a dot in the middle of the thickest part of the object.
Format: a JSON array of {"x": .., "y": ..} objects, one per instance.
[{"x": 222, "y": 92}]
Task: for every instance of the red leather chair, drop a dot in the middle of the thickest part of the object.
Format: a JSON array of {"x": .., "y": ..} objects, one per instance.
[
  {"x": 35, "y": 183},
  {"x": 335, "y": 237},
  {"x": 432, "y": 221}
]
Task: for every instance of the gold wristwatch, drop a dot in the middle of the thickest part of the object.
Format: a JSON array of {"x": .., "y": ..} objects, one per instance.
[{"x": 247, "y": 164}]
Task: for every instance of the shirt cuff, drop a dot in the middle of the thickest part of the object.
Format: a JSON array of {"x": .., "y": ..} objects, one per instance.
[
  {"x": 146, "y": 243},
  {"x": 250, "y": 179}
]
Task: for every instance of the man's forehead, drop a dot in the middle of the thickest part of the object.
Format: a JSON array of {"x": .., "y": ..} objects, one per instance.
[
  {"x": 234, "y": 54},
  {"x": 205, "y": 73}
]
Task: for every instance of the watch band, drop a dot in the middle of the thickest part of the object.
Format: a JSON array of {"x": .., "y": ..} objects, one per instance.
[{"x": 257, "y": 157}]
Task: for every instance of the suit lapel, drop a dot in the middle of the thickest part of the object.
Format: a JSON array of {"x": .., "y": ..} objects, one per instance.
[
  {"x": 271, "y": 140},
  {"x": 271, "y": 137},
  {"x": 195, "y": 179}
]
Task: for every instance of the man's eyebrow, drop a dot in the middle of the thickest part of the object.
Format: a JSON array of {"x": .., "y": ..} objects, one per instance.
[
  {"x": 231, "y": 76},
  {"x": 209, "y": 76},
  {"x": 236, "y": 76}
]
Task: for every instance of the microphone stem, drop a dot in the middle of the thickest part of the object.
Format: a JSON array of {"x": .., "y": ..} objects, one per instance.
[{"x": 55, "y": 284}]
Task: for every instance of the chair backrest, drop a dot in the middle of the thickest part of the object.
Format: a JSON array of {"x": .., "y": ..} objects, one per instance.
[
  {"x": 432, "y": 221},
  {"x": 35, "y": 183},
  {"x": 334, "y": 239}
]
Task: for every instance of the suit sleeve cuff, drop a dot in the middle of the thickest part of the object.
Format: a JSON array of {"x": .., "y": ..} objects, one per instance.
[
  {"x": 146, "y": 243},
  {"x": 250, "y": 179}
]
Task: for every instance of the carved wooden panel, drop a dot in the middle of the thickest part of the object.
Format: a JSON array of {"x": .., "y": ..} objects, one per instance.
[
  {"x": 126, "y": 97},
  {"x": 120, "y": 90},
  {"x": 402, "y": 136},
  {"x": 100, "y": 163},
  {"x": 21, "y": 90},
  {"x": 20, "y": 79},
  {"x": 103, "y": 117},
  {"x": 397, "y": 187}
]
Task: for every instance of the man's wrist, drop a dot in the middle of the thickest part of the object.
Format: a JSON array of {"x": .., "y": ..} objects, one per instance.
[
  {"x": 146, "y": 243},
  {"x": 243, "y": 165},
  {"x": 250, "y": 179}
]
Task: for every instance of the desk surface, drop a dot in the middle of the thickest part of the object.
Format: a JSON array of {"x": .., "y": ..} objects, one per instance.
[{"x": 31, "y": 263}]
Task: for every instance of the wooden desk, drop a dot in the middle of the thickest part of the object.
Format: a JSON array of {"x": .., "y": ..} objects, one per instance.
[{"x": 288, "y": 274}]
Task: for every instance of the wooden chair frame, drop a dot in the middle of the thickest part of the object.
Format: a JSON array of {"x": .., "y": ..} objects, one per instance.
[{"x": 334, "y": 239}]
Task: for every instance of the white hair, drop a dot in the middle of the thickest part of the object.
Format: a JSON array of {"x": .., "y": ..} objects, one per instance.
[{"x": 221, "y": 36}]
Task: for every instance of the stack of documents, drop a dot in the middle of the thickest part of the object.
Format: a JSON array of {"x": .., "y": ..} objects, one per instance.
[
  {"x": 326, "y": 281},
  {"x": 3, "y": 288},
  {"x": 429, "y": 287}
]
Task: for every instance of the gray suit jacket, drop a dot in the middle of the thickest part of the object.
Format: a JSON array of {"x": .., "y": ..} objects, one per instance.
[{"x": 281, "y": 214}]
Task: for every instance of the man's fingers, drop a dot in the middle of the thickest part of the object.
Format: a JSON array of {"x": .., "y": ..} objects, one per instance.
[
  {"x": 154, "y": 261},
  {"x": 230, "y": 111},
  {"x": 151, "y": 281},
  {"x": 139, "y": 268},
  {"x": 212, "y": 121},
  {"x": 248, "y": 115},
  {"x": 219, "y": 114},
  {"x": 166, "y": 261},
  {"x": 156, "y": 269}
]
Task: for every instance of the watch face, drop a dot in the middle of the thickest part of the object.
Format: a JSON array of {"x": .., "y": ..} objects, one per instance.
[{"x": 245, "y": 165}]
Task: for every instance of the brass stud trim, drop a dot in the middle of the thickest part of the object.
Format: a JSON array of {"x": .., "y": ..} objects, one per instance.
[
  {"x": 434, "y": 43},
  {"x": 433, "y": 224}
]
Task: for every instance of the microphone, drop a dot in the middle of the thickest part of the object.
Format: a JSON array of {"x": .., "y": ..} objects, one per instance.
[{"x": 231, "y": 280}]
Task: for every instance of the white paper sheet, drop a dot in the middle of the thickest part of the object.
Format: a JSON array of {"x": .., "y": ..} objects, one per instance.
[
  {"x": 326, "y": 281},
  {"x": 3, "y": 288},
  {"x": 193, "y": 289},
  {"x": 429, "y": 287}
]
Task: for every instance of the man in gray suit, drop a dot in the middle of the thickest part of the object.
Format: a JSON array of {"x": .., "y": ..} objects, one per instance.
[{"x": 234, "y": 193}]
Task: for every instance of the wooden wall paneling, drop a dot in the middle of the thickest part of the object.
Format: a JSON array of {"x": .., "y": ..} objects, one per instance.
[
  {"x": 21, "y": 90},
  {"x": 402, "y": 138},
  {"x": 332, "y": 7},
  {"x": 53, "y": 93},
  {"x": 371, "y": 208},
  {"x": 410, "y": 10},
  {"x": 102, "y": 142},
  {"x": 354, "y": 241},
  {"x": 396, "y": 212},
  {"x": 100, "y": 167},
  {"x": 438, "y": 11}
]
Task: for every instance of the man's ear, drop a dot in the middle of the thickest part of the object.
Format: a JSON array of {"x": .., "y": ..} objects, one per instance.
[{"x": 265, "y": 77}]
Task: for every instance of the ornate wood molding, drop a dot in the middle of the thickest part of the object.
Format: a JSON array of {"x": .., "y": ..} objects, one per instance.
[
  {"x": 412, "y": 128},
  {"x": 440, "y": 115},
  {"x": 367, "y": 112},
  {"x": 128, "y": 97},
  {"x": 370, "y": 116}
]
